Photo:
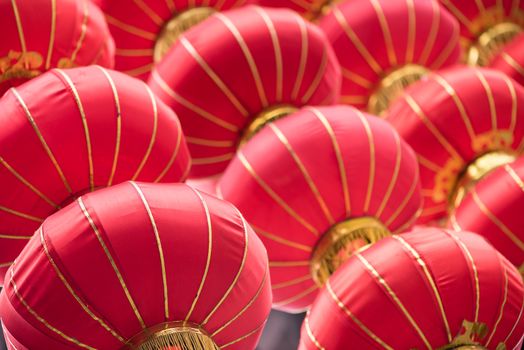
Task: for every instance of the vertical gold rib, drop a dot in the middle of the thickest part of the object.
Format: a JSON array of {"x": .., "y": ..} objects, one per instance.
[
  {"x": 244, "y": 336},
  {"x": 318, "y": 77},
  {"x": 372, "y": 163},
  {"x": 274, "y": 237},
  {"x": 82, "y": 33},
  {"x": 296, "y": 297},
  {"x": 20, "y": 214},
  {"x": 388, "y": 40},
  {"x": 356, "y": 41},
  {"x": 408, "y": 196},
  {"x": 247, "y": 54},
  {"x": 2, "y": 236},
  {"x": 149, "y": 12},
  {"x": 80, "y": 106},
  {"x": 311, "y": 184},
  {"x": 153, "y": 136},
  {"x": 356, "y": 78},
  {"x": 209, "y": 251},
  {"x": 42, "y": 140},
  {"x": 412, "y": 23},
  {"x": 173, "y": 156},
  {"x": 338, "y": 154},
  {"x": 118, "y": 125},
  {"x": 516, "y": 323},
  {"x": 310, "y": 334},
  {"x": 432, "y": 36},
  {"x": 513, "y": 94},
  {"x": 303, "y": 56},
  {"x": 513, "y": 63},
  {"x": 503, "y": 304},
  {"x": 446, "y": 52},
  {"x": 111, "y": 261},
  {"x": 235, "y": 280},
  {"x": 19, "y": 26},
  {"x": 393, "y": 181},
  {"x": 51, "y": 35},
  {"x": 130, "y": 28},
  {"x": 394, "y": 297},
  {"x": 276, "y": 48},
  {"x": 171, "y": 5},
  {"x": 43, "y": 321},
  {"x": 491, "y": 100},
  {"x": 459, "y": 15},
  {"x": 28, "y": 184},
  {"x": 514, "y": 176},
  {"x": 159, "y": 246},
  {"x": 274, "y": 195},
  {"x": 431, "y": 281},
  {"x": 73, "y": 293},
  {"x": 355, "y": 319}
]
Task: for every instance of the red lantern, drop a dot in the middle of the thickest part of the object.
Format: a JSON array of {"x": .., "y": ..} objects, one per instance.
[
  {"x": 430, "y": 289},
  {"x": 144, "y": 31},
  {"x": 383, "y": 46},
  {"x": 139, "y": 266},
  {"x": 461, "y": 123},
  {"x": 511, "y": 60},
  {"x": 38, "y": 35},
  {"x": 493, "y": 208},
  {"x": 309, "y": 9},
  {"x": 486, "y": 26},
  {"x": 333, "y": 181},
  {"x": 275, "y": 62},
  {"x": 73, "y": 131}
]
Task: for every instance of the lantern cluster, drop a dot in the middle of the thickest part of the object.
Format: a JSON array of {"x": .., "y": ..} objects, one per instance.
[{"x": 170, "y": 171}]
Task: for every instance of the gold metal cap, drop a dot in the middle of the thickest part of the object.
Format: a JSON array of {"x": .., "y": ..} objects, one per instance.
[
  {"x": 490, "y": 43},
  {"x": 178, "y": 25},
  {"x": 174, "y": 335},
  {"x": 341, "y": 241},
  {"x": 392, "y": 85}
]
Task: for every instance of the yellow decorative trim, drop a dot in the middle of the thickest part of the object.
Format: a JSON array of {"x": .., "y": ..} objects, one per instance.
[
  {"x": 340, "y": 242},
  {"x": 490, "y": 42},
  {"x": 20, "y": 65},
  {"x": 265, "y": 117}
]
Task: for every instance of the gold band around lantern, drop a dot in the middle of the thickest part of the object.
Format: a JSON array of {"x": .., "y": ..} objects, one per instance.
[
  {"x": 490, "y": 42},
  {"x": 341, "y": 241}
]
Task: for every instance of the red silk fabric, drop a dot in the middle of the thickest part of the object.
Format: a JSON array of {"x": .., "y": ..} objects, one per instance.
[
  {"x": 274, "y": 57},
  {"x": 452, "y": 118},
  {"x": 136, "y": 24},
  {"x": 372, "y": 38},
  {"x": 326, "y": 165},
  {"x": 309, "y": 9},
  {"x": 38, "y": 35},
  {"x": 72, "y": 131},
  {"x": 138, "y": 255},
  {"x": 414, "y": 291},
  {"x": 511, "y": 60},
  {"x": 493, "y": 209}
]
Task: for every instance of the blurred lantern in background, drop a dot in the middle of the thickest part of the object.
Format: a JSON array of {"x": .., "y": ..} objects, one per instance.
[
  {"x": 238, "y": 71},
  {"x": 144, "y": 31},
  {"x": 462, "y": 123},
  {"x": 511, "y": 60},
  {"x": 169, "y": 268},
  {"x": 71, "y": 132},
  {"x": 428, "y": 289},
  {"x": 38, "y": 35},
  {"x": 493, "y": 208},
  {"x": 383, "y": 46},
  {"x": 486, "y": 26},
  {"x": 317, "y": 186}
]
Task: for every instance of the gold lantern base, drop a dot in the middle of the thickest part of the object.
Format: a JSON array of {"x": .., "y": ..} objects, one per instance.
[{"x": 490, "y": 42}]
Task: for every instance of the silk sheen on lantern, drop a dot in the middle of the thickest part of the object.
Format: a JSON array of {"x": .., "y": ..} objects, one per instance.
[
  {"x": 144, "y": 30},
  {"x": 139, "y": 258},
  {"x": 69, "y": 132},
  {"x": 493, "y": 209},
  {"x": 511, "y": 60},
  {"x": 326, "y": 166},
  {"x": 452, "y": 120},
  {"x": 428, "y": 289},
  {"x": 383, "y": 46},
  {"x": 237, "y": 68},
  {"x": 38, "y": 35}
]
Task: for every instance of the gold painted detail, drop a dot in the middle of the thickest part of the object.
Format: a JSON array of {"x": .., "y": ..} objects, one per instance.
[
  {"x": 392, "y": 85},
  {"x": 265, "y": 117},
  {"x": 477, "y": 170},
  {"x": 445, "y": 179},
  {"x": 490, "y": 42},
  {"x": 178, "y": 25},
  {"x": 174, "y": 335},
  {"x": 341, "y": 241},
  {"x": 493, "y": 139},
  {"x": 24, "y": 65},
  {"x": 470, "y": 336}
]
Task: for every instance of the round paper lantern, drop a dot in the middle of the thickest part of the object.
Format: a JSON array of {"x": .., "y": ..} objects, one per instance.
[
  {"x": 240, "y": 70},
  {"x": 511, "y": 60},
  {"x": 38, "y": 35},
  {"x": 383, "y": 46},
  {"x": 493, "y": 208},
  {"x": 430, "y": 289},
  {"x": 486, "y": 26},
  {"x": 144, "y": 31},
  {"x": 69, "y": 132},
  {"x": 139, "y": 266},
  {"x": 334, "y": 181},
  {"x": 461, "y": 123}
]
